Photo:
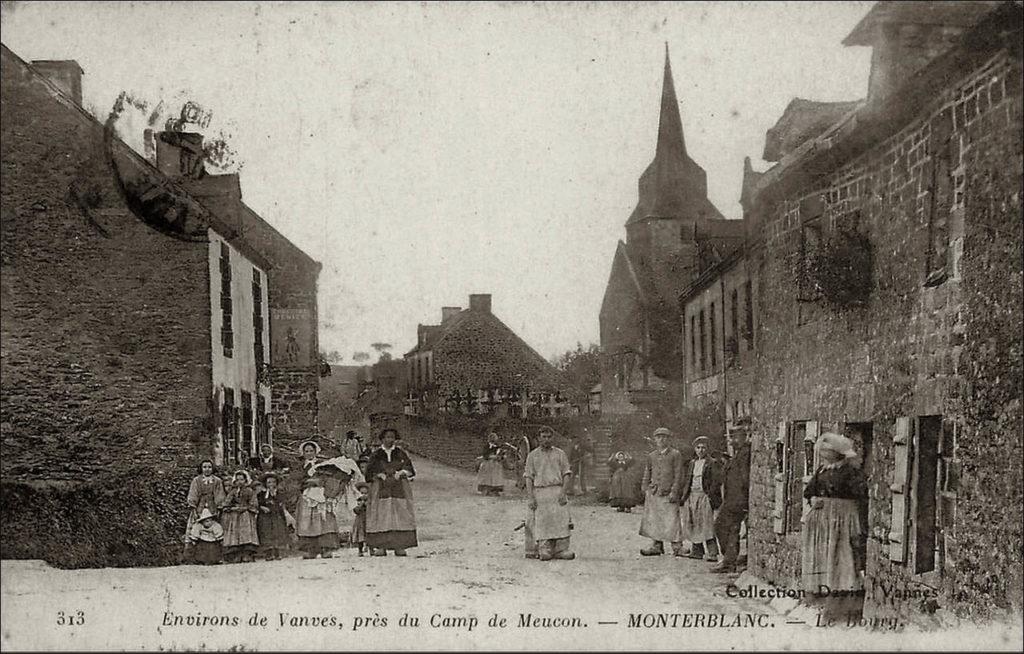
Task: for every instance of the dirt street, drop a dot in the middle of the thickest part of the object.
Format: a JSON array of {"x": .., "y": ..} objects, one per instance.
[{"x": 469, "y": 566}]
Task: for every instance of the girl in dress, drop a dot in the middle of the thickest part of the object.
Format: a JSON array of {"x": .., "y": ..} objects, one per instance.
[
  {"x": 273, "y": 520},
  {"x": 620, "y": 489},
  {"x": 205, "y": 492},
  {"x": 833, "y": 538},
  {"x": 238, "y": 516},
  {"x": 358, "y": 538},
  {"x": 205, "y": 536}
]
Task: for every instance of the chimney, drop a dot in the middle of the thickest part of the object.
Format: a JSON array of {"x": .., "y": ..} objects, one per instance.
[
  {"x": 480, "y": 302},
  {"x": 449, "y": 312},
  {"x": 65, "y": 74},
  {"x": 180, "y": 154}
]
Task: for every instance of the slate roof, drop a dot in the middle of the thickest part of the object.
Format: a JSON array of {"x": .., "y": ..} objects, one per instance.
[
  {"x": 929, "y": 12},
  {"x": 801, "y": 121}
]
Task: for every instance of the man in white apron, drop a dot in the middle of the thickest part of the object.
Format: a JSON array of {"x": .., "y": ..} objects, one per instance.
[{"x": 548, "y": 479}]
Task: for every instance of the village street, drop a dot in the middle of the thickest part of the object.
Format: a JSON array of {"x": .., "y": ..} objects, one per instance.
[{"x": 469, "y": 565}]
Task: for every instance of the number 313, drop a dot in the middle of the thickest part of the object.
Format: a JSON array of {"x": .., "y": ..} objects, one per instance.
[{"x": 75, "y": 619}]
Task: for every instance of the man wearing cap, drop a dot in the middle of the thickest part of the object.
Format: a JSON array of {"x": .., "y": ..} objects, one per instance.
[
  {"x": 735, "y": 494},
  {"x": 699, "y": 498},
  {"x": 660, "y": 521},
  {"x": 548, "y": 480}
]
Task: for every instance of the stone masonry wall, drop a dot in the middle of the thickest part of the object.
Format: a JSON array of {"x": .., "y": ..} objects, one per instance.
[
  {"x": 951, "y": 350},
  {"x": 104, "y": 346}
]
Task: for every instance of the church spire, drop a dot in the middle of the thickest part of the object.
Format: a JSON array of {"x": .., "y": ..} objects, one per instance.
[{"x": 670, "y": 127}]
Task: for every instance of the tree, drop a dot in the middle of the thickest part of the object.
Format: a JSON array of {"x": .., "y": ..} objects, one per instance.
[
  {"x": 382, "y": 351},
  {"x": 332, "y": 357},
  {"x": 360, "y": 357},
  {"x": 581, "y": 366}
]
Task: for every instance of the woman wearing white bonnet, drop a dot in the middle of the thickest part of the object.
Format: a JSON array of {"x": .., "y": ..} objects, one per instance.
[{"x": 833, "y": 537}]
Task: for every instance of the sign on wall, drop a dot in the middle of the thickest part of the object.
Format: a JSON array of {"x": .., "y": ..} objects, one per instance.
[{"x": 291, "y": 338}]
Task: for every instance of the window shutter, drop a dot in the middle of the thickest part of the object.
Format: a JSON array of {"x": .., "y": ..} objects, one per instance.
[
  {"x": 810, "y": 461},
  {"x": 781, "y": 466},
  {"x": 900, "y": 481}
]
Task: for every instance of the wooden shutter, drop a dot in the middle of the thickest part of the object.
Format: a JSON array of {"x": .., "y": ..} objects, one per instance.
[
  {"x": 781, "y": 468},
  {"x": 900, "y": 487},
  {"x": 810, "y": 462}
]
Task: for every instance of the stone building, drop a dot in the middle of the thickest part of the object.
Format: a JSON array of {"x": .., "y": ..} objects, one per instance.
[
  {"x": 134, "y": 333},
  {"x": 673, "y": 233},
  {"x": 473, "y": 364},
  {"x": 888, "y": 296}
]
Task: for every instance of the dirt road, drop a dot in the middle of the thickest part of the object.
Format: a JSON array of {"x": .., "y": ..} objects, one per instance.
[{"x": 468, "y": 568}]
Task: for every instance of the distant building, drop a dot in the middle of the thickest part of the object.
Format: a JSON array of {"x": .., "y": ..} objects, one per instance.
[
  {"x": 473, "y": 364},
  {"x": 672, "y": 235}
]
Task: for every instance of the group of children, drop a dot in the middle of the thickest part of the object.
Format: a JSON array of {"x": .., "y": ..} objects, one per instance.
[{"x": 247, "y": 519}]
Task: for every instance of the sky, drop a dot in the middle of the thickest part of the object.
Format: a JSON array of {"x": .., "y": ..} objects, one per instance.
[{"x": 425, "y": 151}]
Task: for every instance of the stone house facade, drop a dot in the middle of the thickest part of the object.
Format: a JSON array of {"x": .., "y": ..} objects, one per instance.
[
  {"x": 131, "y": 312},
  {"x": 919, "y": 359},
  {"x": 473, "y": 364}
]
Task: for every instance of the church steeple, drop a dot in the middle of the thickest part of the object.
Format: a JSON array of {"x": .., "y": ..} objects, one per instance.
[
  {"x": 670, "y": 126},
  {"x": 673, "y": 186}
]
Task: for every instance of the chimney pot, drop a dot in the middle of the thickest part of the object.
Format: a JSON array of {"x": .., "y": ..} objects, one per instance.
[
  {"x": 480, "y": 302},
  {"x": 65, "y": 74},
  {"x": 447, "y": 313},
  {"x": 180, "y": 154}
]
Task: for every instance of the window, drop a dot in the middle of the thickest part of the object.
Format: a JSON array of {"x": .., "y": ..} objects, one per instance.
[
  {"x": 227, "y": 336},
  {"x": 227, "y": 427},
  {"x": 693, "y": 344},
  {"x": 247, "y": 425},
  {"x": 703, "y": 340},
  {"x": 748, "y": 328},
  {"x": 262, "y": 421},
  {"x": 714, "y": 339},
  {"x": 734, "y": 335},
  {"x": 257, "y": 320},
  {"x": 924, "y": 484},
  {"x": 941, "y": 201},
  {"x": 794, "y": 465}
]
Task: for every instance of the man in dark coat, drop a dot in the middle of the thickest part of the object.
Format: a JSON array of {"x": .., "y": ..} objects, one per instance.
[{"x": 735, "y": 499}]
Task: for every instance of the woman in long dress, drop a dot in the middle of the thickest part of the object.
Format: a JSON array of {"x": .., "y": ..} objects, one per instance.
[
  {"x": 273, "y": 520},
  {"x": 833, "y": 538},
  {"x": 238, "y": 517},
  {"x": 390, "y": 517},
  {"x": 490, "y": 478},
  {"x": 620, "y": 490},
  {"x": 315, "y": 522}
]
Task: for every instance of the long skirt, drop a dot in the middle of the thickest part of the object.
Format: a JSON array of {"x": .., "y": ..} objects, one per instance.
[
  {"x": 239, "y": 528},
  {"x": 313, "y": 520},
  {"x": 491, "y": 476},
  {"x": 828, "y": 540},
  {"x": 206, "y": 552},
  {"x": 661, "y": 519},
  {"x": 272, "y": 529},
  {"x": 620, "y": 490},
  {"x": 390, "y": 518},
  {"x": 358, "y": 534},
  {"x": 697, "y": 518}
]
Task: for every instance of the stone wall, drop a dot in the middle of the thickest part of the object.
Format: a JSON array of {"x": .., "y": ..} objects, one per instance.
[
  {"x": 950, "y": 349},
  {"x": 104, "y": 343}
]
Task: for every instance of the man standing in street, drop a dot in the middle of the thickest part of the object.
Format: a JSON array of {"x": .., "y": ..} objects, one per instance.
[
  {"x": 735, "y": 494},
  {"x": 581, "y": 452},
  {"x": 548, "y": 480},
  {"x": 660, "y": 522}
]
